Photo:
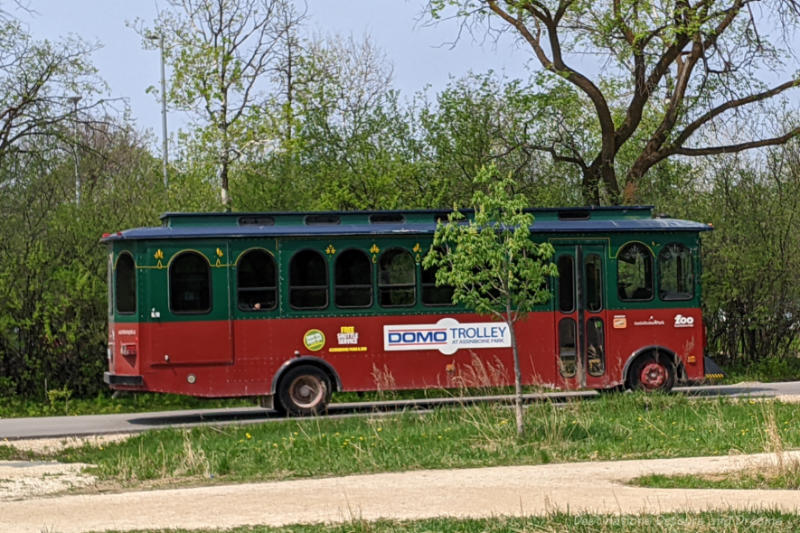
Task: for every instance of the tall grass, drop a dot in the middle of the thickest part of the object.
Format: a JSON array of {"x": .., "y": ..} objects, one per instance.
[
  {"x": 613, "y": 427},
  {"x": 782, "y": 473}
]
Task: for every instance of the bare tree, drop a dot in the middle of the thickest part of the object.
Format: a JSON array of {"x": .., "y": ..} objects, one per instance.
[
  {"x": 221, "y": 52},
  {"x": 662, "y": 77},
  {"x": 39, "y": 85}
]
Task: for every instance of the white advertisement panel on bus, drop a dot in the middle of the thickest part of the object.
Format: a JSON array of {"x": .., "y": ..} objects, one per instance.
[{"x": 447, "y": 335}]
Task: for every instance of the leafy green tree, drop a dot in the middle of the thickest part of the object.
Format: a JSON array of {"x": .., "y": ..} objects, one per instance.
[
  {"x": 222, "y": 53},
  {"x": 53, "y": 275},
  {"x": 482, "y": 120},
  {"x": 345, "y": 143},
  {"x": 751, "y": 259},
  {"x": 678, "y": 78},
  {"x": 491, "y": 262}
]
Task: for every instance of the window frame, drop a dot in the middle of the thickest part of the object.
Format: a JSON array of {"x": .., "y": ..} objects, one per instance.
[
  {"x": 649, "y": 272},
  {"x": 368, "y": 285},
  {"x": 275, "y": 289},
  {"x": 172, "y": 285},
  {"x": 125, "y": 253},
  {"x": 291, "y": 287},
  {"x": 386, "y": 288},
  {"x": 690, "y": 261},
  {"x": 427, "y": 287}
]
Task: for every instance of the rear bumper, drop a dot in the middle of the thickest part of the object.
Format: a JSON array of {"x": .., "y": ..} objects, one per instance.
[{"x": 121, "y": 380}]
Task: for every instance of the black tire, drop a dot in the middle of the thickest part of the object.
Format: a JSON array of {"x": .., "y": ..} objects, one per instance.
[
  {"x": 304, "y": 390},
  {"x": 654, "y": 372}
]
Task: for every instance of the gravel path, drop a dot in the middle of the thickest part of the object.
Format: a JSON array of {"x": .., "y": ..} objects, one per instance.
[{"x": 518, "y": 490}]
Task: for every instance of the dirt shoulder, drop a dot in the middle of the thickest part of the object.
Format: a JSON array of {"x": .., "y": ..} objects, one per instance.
[{"x": 479, "y": 492}]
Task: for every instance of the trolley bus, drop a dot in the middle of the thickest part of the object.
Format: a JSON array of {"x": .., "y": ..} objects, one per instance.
[{"x": 291, "y": 307}]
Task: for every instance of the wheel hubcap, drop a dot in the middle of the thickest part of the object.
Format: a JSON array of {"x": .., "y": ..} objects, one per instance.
[
  {"x": 307, "y": 391},
  {"x": 653, "y": 375}
]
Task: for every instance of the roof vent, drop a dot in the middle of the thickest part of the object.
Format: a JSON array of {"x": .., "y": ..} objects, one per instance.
[
  {"x": 387, "y": 218},
  {"x": 256, "y": 220},
  {"x": 573, "y": 214},
  {"x": 318, "y": 220}
]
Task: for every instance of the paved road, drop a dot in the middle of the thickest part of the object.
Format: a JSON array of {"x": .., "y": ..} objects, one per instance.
[{"x": 65, "y": 426}]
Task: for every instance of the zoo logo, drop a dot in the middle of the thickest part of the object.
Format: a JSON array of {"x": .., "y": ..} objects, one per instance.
[{"x": 684, "y": 321}]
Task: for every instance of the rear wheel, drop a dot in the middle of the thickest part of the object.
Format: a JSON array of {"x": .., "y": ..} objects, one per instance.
[
  {"x": 653, "y": 372},
  {"x": 304, "y": 390}
]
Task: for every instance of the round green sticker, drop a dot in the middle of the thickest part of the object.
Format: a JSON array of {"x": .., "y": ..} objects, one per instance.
[{"x": 314, "y": 340}]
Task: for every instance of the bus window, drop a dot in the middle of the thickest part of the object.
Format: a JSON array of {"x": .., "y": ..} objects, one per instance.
[
  {"x": 353, "y": 279},
  {"x": 190, "y": 284},
  {"x": 675, "y": 273},
  {"x": 595, "y": 347},
  {"x": 256, "y": 281},
  {"x": 567, "y": 347},
  {"x": 594, "y": 283},
  {"x": 566, "y": 284},
  {"x": 125, "y": 286},
  {"x": 433, "y": 295},
  {"x": 397, "y": 279},
  {"x": 308, "y": 280},
  {"x": 635, "y": 273}
]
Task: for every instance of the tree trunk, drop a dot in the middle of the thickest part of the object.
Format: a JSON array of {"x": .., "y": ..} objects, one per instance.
[
  {"x": 517, "y": 382},
  {"x": 225, "y": 196},
  {"x": 597, "y": 174}
]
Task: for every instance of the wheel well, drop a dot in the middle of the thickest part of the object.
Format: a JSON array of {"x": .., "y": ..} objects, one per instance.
[
  {"x": 324, "y": 366},
  {"x": 680, "y": 371}
]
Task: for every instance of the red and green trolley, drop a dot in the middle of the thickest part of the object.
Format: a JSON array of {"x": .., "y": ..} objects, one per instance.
[{"x": 291, "y": 307}]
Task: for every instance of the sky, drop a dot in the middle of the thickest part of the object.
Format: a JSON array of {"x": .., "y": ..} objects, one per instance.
[{"x": 420, "y": 53}]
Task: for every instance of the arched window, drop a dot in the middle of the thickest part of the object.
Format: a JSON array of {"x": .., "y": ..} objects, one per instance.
[
  {"x": 675, "y": 273},
  {"x": 353, "y": 279},
  {"x": 566, "y": 284},
  {"x": 397, "y": 281},
  {"x": 635, "y": 272},
  {"x": 433, "y": 295},
  {"x": 593, "y": 266},
  {"x": 257, "y": 281},
  {"x": 189, "y": 284},
  {"x": 308, "y": 280},
  {"x": 125, "y": 284}
]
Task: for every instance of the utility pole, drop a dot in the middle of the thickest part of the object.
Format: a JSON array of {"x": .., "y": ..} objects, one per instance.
[
  {"x": 74, "y": 100},
  {"x": 160, "y": 39}
]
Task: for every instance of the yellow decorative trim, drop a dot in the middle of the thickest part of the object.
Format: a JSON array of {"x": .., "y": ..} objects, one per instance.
[
  {"x": 330, "y": 250},
  {"x": 649, "y": 248},
  {"x": 159, "y": 255},
  {"x": 123, "y": 252},
  {"x": 239, "y": 257}
]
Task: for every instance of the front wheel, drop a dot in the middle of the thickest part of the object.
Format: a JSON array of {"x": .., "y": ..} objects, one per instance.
[
  {"x": 653, "y": 372},
  {"x": 304, "y": 390}
]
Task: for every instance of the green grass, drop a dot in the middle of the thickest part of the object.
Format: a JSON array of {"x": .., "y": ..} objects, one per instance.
[
  {"x": 611, "y": 427},
  {"x": 783, "y": 474},
  {"x": 737, "y": 480},
  {"x": 709, "y": 522},
  {"x": 769, "y": 369}
]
